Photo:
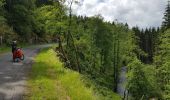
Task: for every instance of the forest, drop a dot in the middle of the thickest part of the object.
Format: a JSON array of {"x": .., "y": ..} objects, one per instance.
[{"x": 94, "y": 47}]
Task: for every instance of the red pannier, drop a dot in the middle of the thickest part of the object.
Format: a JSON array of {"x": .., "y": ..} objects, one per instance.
[{"x": 18, "y": 54}]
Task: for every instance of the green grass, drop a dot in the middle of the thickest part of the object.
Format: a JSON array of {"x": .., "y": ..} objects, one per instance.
[
  {"x": 4, "y": 49},
  {"x": 49, "y": 80}
]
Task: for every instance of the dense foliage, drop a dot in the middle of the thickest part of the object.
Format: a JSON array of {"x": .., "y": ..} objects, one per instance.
[{"x": 162, "y": 62}]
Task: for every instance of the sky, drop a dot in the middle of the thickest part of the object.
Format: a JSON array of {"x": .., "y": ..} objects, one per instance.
[{"x": 142, "y": 13}]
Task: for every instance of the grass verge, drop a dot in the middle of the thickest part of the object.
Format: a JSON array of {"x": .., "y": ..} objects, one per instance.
[
  {"x": 4, "y": 49},
  {"x": 49, "y": 80}
]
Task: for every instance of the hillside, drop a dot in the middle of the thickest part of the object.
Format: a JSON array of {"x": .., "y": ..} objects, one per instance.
[
  {"x": 49, "y": 80},
  {"x": 95, "y": 58}
]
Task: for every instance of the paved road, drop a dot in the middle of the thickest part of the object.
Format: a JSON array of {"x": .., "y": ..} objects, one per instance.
[
  {"x": 122, "y": 81},
  {"x": 13, "y": 76}
]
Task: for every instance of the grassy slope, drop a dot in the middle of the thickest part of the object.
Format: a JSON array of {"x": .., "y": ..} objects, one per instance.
[{"x": 49, "y": 80}]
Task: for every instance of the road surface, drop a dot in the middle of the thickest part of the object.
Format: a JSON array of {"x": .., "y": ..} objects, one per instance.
[
  {"x": 13, "y": 76},
  {"x": 122, "y": 81}
]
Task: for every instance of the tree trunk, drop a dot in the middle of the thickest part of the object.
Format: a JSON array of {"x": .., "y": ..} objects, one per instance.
[
  {"x": 1, "y": 40},
  {"x": 114, "y": 65},
  {"x": 117, "y": 63},
  {"x": 70, "y": 36}
]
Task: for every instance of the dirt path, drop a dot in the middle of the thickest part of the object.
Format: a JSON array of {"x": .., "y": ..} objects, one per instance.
[{"x": 13, "y": 76}]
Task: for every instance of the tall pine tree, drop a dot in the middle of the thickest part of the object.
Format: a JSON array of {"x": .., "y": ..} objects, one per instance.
[{"x": 166, "y": 22}]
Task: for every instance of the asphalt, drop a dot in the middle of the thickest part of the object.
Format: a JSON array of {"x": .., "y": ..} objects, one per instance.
[
  {"x": 13, "y": 76},
  {"x": 122, "y": 81}
]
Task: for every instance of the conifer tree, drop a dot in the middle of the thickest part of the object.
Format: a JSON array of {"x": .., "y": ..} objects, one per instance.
[
  {"x": 162, "y": 60},
  {"x": 166, "y": 22}
]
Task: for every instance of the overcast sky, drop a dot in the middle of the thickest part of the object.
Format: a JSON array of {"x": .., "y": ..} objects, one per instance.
[{"x": 143, "y": 13}]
